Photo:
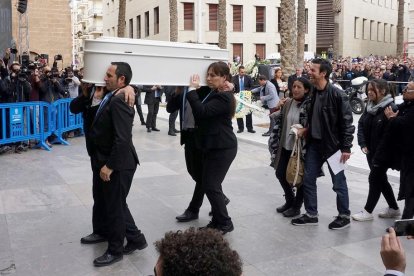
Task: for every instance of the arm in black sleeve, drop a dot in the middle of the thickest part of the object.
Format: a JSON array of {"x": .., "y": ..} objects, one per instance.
[
  {"x": 219, "y": 104},
  {"x": 361, "y": 137},
  {"x": 79, "y": 104}
]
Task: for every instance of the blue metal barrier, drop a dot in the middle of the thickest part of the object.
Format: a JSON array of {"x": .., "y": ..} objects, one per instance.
[
  {"x": 26, "y": 121},
  {"x": 65, "y": 120}
]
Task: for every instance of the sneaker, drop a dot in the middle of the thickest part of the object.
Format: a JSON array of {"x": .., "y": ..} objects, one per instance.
[
  {"x": 305, "y": 220},
  {"x": 340, "y": 223},
  {"x": 291, "y": 212},
  {"x": 362, "y": 216},
  {"x": 389, "y": 213}
]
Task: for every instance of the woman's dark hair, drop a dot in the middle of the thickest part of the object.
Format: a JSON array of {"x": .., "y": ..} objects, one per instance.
[
  {"x": 277, "y": 70},
  {"x": 198, "y": 253},
  {"x": 306, "y": 84},
  {"x": 379, "y": 85}
]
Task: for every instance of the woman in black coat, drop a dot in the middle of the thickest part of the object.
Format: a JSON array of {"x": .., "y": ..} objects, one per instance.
[
  {"x": 213, "y": 110},
  {"x": 371, "y": 135}
]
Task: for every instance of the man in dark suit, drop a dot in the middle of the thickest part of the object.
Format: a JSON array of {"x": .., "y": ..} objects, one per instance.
[
  {"x": 243, "y": 82},
  {"x": 298, "y": 74},
  {"x": 114, "y": 162},
  {"x": 152, "y": 99}
]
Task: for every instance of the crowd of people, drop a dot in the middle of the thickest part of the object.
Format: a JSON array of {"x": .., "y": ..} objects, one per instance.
[{"x": 308, "y": 102}]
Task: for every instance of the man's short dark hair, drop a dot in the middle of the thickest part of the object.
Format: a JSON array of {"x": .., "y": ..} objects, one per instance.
[
  {"x": 241, "y": 67},
  {"x": 262, "y": 77},
  {"x": 325, "y": 66},
  {"x": 197, "y": 252},
  {"x": 123, "y": 69}
]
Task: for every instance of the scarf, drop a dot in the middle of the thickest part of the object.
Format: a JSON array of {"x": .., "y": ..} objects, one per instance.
[{"x": 373, "y": 108}]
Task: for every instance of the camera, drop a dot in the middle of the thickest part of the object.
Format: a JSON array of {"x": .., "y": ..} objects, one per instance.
[{"x": 13, "y": 51}]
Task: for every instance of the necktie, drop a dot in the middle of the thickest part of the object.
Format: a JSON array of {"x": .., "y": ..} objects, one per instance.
[
  {"x": 105, "y": 99},
  {"x": 241, "y": 84},
  {"x": 183, "y": 106}
]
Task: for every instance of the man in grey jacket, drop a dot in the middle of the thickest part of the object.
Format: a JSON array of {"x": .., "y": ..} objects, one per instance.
[{"x": 269, "y": 98}]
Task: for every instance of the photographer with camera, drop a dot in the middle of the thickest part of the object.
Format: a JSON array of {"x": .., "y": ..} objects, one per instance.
[{"x": 71, "y": 83}]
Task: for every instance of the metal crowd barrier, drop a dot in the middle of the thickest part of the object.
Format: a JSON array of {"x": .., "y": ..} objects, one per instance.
[{"x": 26, "y": 121}]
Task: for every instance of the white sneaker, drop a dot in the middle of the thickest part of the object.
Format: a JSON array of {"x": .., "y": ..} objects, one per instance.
[
  {"x": 389, "y": 213},
  {"x": 362, "y": 216}
]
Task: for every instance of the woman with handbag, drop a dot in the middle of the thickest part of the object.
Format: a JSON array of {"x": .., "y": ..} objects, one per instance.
[
  {"x": 282, "y": 140},
  {"x": 372, "y": 128}
]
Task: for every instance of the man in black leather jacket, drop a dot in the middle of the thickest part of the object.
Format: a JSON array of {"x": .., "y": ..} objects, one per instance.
[{"x": 329, "y": 130}]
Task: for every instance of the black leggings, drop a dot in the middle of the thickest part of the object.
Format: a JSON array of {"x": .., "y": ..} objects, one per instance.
[{"x": 378, "y": 183}]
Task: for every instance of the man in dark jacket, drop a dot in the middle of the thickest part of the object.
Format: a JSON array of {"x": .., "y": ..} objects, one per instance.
[
  {"x": 329, "y": 131},
  {"x": 243, "y": 82},
  {"x": 401, "y": 127}
]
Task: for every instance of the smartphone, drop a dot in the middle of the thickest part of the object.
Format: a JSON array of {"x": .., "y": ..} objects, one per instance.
[{"x": 404, "y": 227}]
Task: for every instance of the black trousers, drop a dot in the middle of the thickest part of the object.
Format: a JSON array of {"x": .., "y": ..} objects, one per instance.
[
  {"x": 152, "y": 113},
  {"x": 407, "y": 181},
  {"x": 99, "y": 219},
  {"x": 139, "y": 111},
  {"x": 378, "y": 183},
  {"x": 295, "y": 201},
  {"x": 171, "y": 121},
  {"x": 194, "y": 167},
  {"x": 249, "y": 122},
  {"x": 215, "y": 164},
  {"x": 119, "y": 221}
]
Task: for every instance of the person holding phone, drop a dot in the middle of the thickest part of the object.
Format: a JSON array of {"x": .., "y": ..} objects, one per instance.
[{"x": 393, "y": 254}]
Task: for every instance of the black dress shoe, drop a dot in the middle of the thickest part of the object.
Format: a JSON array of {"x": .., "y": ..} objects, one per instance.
[
  {"x": 148, "y": 130},
  {"x": 284, "y": 207},
  {"x": 155, "y": 129},
  {"x": 226, "y": 201},
  {"x": 251, "y": 131},
  {"x": 176, "y": 131},
  {"x": 187, "y": 216},
  {"x": 240, "y": 131},
  {"x": 92, "y": 238},
  {"x": 266, "y": 134},
  {"x": 171, "y": 133},
  {"x": 291, "y": 212},
  {"x": 140, "y": 244},
  {"x": 223, "y": 229},
  {"x": 107, "y": 259}
]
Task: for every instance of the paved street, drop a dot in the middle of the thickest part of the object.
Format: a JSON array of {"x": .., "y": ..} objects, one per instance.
[{"x": 46, "y": 202}]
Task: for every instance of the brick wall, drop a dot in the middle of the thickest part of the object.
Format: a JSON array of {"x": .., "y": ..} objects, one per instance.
[{"x": 49, "y": 28}]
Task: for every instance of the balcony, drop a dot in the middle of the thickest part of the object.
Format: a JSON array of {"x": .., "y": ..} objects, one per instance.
[
  {"x": 95, "y": 13},
  {"x": 83, "y": 4},
  {"x": 95, "y": 30}
]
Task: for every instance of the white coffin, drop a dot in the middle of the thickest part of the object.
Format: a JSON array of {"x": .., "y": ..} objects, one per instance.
[{"x": 152, "y": 62}]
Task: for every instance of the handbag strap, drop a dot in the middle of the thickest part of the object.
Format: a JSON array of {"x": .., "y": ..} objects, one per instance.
[{"x": 297, "y": 147}]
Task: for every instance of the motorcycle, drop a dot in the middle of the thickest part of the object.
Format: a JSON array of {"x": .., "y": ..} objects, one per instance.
[{"x": 357, "y": 94}]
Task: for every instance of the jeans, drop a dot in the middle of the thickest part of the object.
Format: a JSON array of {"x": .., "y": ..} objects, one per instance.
[{"x": 313, "y": 164}]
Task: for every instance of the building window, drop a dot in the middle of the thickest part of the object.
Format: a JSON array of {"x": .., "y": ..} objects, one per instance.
[
  {"x": 306, "y": 21},
  {"x": 156, "y": 20},
  {"x": 131, "y": 28},
  {"x": 188, "y": 16},
  {"x": 261, "y": 51},
  {"x": 356, "y": 22},
  {"x": 380, "y": 3},
  {"x": 391, "y": 32},
  {"x": 371, "y": 30},
  {"x": 385, "y": 32},
  {"x": 379, "y": 37},
  {"x": 213, "y": 17},
  {"x": 139, "y": 26},
  {"x": 364, "y": 28},
  {"x": 278, "y": 20},
  {"x": 238, "y": 51},
  {"x": 237, "y": 18},
  {"x": 306, "y": 47},
  {"x": 146, "y": 23},
  {"x": 260, "y": 19},
  {"x": 278, "y": 48}
]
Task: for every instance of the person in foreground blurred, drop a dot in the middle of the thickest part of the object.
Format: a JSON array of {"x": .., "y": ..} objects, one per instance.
[
  {"x": 198, "y": 253},
  {"x": 281, "y": 141},
  {"x": 393, "y": 254},
  {"x": 213, "y": 110},
  {"x": 371, "y": 133}
]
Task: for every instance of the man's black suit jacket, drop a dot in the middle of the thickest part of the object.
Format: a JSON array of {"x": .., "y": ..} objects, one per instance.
[
  {"x": 248, "y": 83},
  {"x": 111, "y": 136},
  {"x": 150, "y": 94}
]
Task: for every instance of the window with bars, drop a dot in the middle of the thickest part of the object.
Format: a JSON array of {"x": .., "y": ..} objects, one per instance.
[
  {"x": 139, "y": 26},
  {"x": 213, "y": 17},
  {"x": 131, "y": 28},
  {"x": 261, "y": 50},
  {"x": 188, "y": 16},
  {"x": 260, "y": 19},
  {"x": 238, "y": 50},
  {"x": 156, "y": 20},
  {"x": 147, "y": 23},
  {"x": 278, "y": 20},
  {"x": 237, "y": 18}
]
